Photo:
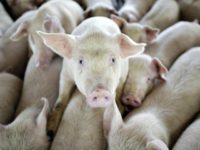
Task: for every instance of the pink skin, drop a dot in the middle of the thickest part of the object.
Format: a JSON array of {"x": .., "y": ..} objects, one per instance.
[{"x": 100, "y": 98}]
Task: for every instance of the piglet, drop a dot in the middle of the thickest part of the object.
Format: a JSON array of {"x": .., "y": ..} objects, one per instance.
[
  {"x": 98, "y": 8},
  {"x": 28, "y": 130},
  {"x": 81, "y": 126},
  {"x": 40, "y": 83},
  {"x": 134, "y": 10},
  {"x": 164, "y": 114},
  {"x": 14, "y": 55},
  {"x": 189, "y": 140},
  {"x": 52, "y": 17},
  {"x": 10, "y": 90},
  {"x": 5, "y": 20},
  {"x": 95, "y": 60},
  {"x": 145, "y": 72}
]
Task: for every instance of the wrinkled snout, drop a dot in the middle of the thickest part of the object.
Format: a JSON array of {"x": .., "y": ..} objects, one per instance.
[
  {"x": 100, "y": 98},
  {"x": 131, "y": 100}
]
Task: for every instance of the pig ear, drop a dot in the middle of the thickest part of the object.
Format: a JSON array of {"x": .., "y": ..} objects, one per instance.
[
  {"x": 21, "y": 31},
  {"x": 129, "y": 47},
  {"x": 159, "y": 68},
  {"x": 42, "y": 117},
  {"x": 151, "y": 33},
  {"x": 156, "y": 145},
  {"x": 52, "y": 24},
  {"x": 118, "y": 20},
  {"x": 112, "y": 119},
  {"x": 61, "y": 43}
]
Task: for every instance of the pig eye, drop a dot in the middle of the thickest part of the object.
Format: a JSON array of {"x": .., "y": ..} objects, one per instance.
[
  {"x": 81, "y": 61},
  {"x": 113, "y": 60}
]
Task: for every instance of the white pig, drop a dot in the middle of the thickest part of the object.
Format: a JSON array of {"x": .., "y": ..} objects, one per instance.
[
  {"x": 169, "y": 45},
  {"x": 164, "y": 114},
  {"x": 136, "y": 31},
  {"x": 40, "y": 83},
  {"x": 5, "y": 20},
  {"x": 54, "y": 16},
  {"x": 134, "y": 10},
  {"x": 81, "y": 126},
  {"x": 10, "y": 90},
  {"x": 162, "y": 15},
  {"x": 27, "y": 131},
  {"x": 189, "y": 140},
  {"x": 98, "y": 8},
  {"x": 18, "y": 7},
  {"x": 190, "y": 9},
  {"x": 95, "y": 60},
  {"x": 14, "y": 55}
]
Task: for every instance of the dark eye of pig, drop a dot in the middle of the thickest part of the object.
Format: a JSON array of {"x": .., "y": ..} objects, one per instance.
[
  {"x": 113, "y": 60},
  {"x": 81, "y": 61}
]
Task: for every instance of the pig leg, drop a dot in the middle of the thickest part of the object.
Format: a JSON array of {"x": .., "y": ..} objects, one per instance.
[{"x": 66, "y": 88}]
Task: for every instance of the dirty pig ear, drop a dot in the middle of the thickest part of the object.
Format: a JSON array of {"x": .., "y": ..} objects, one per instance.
[
  {"x": 21, "y": 32},
  {"x": 159, "y": 68},
  {"x": 60, "y": 43},
  {"x": 128, "y": 47},
  {"x": 52, "y": 24},
  {"x": 151, "y": 33},
  {"x": 118, "y": 20},
  {"x": 42, "y": 117},
  {"x": 156, "y": 145},
  {"x": 112, "y": 119}
]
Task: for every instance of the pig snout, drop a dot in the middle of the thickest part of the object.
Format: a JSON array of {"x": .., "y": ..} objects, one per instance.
[
  {"x": 131, "y": 100},
  {"x": 100, "y": 98}
]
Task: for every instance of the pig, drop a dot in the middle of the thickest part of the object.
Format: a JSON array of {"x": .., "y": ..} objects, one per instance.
[
  {"x": 167, "y": 47},
  {"x": 18, "y": 7},
  {"x": 10, "y": 91},
  {"x": 14, "y": 55},
  {"x": 98, "y": 8},
  {"x": 81, "y": 126},
  {"x": 164, "y": 114},
  {"x": 96, "y": 69},
  {"x": 40, "y": 83},
  {"x": 27, "y": 131},
  {"x": 162, "y": 15},
  {"x": 189, "y": 9},
  {"x": 134, "y": 10},
  {"x": 190, "y": 137},
  {"x": 5, "y": 20},
  {"x": 136, "y": 31},
  {"x": 54, "y": 16}
]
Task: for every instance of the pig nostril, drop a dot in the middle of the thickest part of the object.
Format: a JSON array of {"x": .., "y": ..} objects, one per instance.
[
  {"x": 127, "y": 99},
  {"x": 94, "y": 98},
  {"x": 106, "y": 97}
]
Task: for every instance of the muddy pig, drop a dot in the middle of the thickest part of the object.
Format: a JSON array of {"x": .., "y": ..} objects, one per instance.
[
  {"x": 10, "y": 91},
  {"x": 164, "y": 114},
  {"x": 96, "y": 69},
  {"x": 53, "y": 16}
]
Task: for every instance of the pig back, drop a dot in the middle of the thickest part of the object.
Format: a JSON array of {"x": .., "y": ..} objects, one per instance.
[{"x": 10, "y": 90}]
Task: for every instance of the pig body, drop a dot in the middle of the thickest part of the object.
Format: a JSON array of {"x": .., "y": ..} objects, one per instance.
[
  {"x": 40, "y": 83},
  {"x": 134, "y": 10},
  {"x": 189, "y": 9},
  {"x": 162, "y": 15},
  {"x": 81, "y": 126},
  {"x": 18, "y": 7},
  {"x": 5, "y": 20},
  {"x": 158, "y": 122},
  {"x": 54, "y": 16},
  {"x": 27, "y": 131},
  {"x": 14, "y": 55},
  {"x": 99, "y": 8},
  {"x": 86, "y": 65},
  {"x": 166, "y": 48},
  {"x": 190, "y": 137},
  {"x": 10, "y": 91}
]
